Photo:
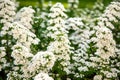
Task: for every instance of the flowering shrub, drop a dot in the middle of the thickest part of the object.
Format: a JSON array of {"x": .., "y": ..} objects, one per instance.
[{"x": 54, "y": 43}]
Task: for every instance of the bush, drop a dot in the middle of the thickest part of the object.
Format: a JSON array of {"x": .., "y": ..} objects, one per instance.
[{"x": 54, "y": 43}]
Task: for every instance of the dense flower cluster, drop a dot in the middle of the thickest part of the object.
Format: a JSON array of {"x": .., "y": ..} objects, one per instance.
[
  {"x": 74, "y": 24},
  {"x": 7, "y": 13},
  {"x": 81, "y": 39},
  {"x": 20, "y": 54},
  {"x": 106, "y": 48},
  {"x": 106, "y": 45},
  {"x": 111, "y": 14},
  {"x": 43, "y": 76},
  {"x": 41, "y": 62},
  {"x": 103, "y": 48},
  {"x": 24, "y": 17},
  {"x": 2, "y": 59},
  {"x": 111, "y": 17},
  {"x": 23, "y": 35},
  {"x": 55, "y": 43},
  {"x": 60, "y": 44}
]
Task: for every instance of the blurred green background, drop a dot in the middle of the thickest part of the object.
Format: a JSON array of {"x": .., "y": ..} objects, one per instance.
[{"x": 82, "y": 3}]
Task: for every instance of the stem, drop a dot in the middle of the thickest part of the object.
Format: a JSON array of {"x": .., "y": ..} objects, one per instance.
[{"x": 41, "y": 3}]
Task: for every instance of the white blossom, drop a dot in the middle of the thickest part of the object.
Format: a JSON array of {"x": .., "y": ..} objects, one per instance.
[
  {"x": 42, "y": 61},
  {"x": 23, "y": 35},
  {"x": 77, "y": 47},
  {"x": 81, "y": 39},
  {"x": 43, "y": 76},
  {"x": 25, "y": 17},
  {"x": 105, "y": 43},
  {"x": 60, "y": 46},
  {"x": 7, "y": 12},
  {"x": 97, "y": 77},
  {"x": 14, "y": 75},
  {"x": 74, "y": 23},
  {"x": 20, "y": 54},
  {"x": 2, "y": 57},
  {"x": 111, "y": 13}
]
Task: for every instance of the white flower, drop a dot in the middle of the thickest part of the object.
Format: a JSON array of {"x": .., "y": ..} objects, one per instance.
[
  {"x": 23, "y": 35},
  {"x": 74, "y": 23},
  {"x": 105, "y": 43},
  {"x": 43, "y": 76},
  {"x": 20, "y": 54},
  {"x": 81, "y": 39},
  {"x": 110, "y": 14},
  {"x": 2, "y": 57},
  {"x": 24, "y": 17},
  {"x": 57, "y": 10},
  {"x": 97, "y": 77},
  {"x": 7, "y": 13},
  {"x": 42, "y": 61},
  {"x": 56, "y": 30},
  {"x": 82, "y": 69},
  {"x": 13, "y": 75}
]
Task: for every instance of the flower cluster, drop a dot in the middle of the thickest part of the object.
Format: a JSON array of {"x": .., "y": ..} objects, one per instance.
[
  {"x": 106, "y": 49},
  {"x": 81, "y": 44},
  {"x": 24, "y": 17},
  {"x": 2, "y": 59},
  {"x": 7, "y": 13},
  {"x": 106, "y": 45},
  {"x": 43, "y": 76},
  {"x": 23, "y": 35},
  {"x": 81, "y": 39},
  {"x": 56, "y": 31},
  {"x": 74, "y": 23},
  {"x": 93, "y": 50},
  {"x": 110, "y": 18},
  {"x": 20, "y": 54},
  {"x": 41, "y": 62},
  {"x": 111, "y": 14},
  {"x": 28, "y": 64}
]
